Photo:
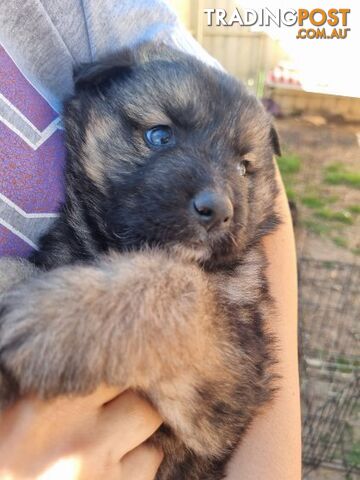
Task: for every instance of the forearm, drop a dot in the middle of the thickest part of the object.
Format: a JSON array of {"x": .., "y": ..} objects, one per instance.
[{"x": 272, "y": 448}]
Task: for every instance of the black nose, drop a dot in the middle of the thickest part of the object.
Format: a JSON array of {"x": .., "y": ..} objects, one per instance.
[{"x": 212, "y": 209}]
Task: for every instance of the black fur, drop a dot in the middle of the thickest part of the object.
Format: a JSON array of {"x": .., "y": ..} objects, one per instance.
[{"x": 216, "y": 122}]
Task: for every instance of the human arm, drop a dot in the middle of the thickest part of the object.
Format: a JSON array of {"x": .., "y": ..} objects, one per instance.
[{"x": 271, "y": 450}]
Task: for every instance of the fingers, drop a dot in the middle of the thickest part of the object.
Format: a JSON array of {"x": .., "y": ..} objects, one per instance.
[
  {"x": 95, "y": 400},
  {"x": 141, "y": 464},
  {"x": 101, "y": 430},
  {"x": 102, "y": 395},
  {"x": 83, "y": 411},
  {"x": 128, "y": 421}
]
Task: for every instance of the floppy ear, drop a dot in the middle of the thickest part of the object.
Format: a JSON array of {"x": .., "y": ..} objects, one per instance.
[
  {"x": 119, "y": 65},
  {"x": 100, "y": 74},
  {"x": 275, "y": 142}
]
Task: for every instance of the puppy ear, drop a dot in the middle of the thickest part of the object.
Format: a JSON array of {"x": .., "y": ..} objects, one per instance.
[
  {"x": 100, "y": 74},
  {"x": 119, "y": 65},
  {"x": 275, "y": 142}
]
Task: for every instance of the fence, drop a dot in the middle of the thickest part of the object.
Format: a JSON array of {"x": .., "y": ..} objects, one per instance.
[{"x": 330, "y": 364}]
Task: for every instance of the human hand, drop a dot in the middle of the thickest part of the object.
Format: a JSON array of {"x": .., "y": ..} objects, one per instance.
[{"x": 86, "y": 438}]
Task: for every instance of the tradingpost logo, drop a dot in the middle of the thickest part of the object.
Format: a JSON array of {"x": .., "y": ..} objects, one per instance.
[{"x": 313, "y": 24}]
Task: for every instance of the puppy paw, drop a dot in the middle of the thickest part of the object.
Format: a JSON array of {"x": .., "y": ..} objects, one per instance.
[
  {"x": 13, "y": 271},
  {"x": 43, "y": 350}
]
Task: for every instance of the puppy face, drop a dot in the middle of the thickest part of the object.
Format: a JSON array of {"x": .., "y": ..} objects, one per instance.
[{"x": 179, "y": 154}]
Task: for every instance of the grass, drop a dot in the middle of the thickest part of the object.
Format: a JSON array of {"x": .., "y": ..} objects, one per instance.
[
  {"x": 290, "y": 192},
  {"x": 353, "y": 457},
  {"x": 317, "y": 227},
  {"x": 332, "y": 198},
  {"x": 318, "y": 199},
  {"x": 327, "y": 221},
  {"x": 355, "y": 209},
  {"x": 313, "y": 201},
  {"x": 329, "y": 264},
  {"x": 289, "y": 164},
  {"x": 337, "y": 174},
  {"x": 342, "y": 216},
  {"x": 343, "y": 360},
  {"x": 343, "y": 365},
  {"x": 340, "y": 242},
  {"x": 323, "y": 215}
]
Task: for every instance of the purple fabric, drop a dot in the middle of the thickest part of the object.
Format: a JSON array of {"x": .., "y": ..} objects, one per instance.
[
  {"x": 12, "y": 245},
  {"x": 31, "y": 179},
  {"x": 15, "y": 87},
  {"x": 31, "y": 174}
]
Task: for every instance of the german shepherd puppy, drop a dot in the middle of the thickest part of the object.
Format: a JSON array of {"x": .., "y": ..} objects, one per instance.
[{"x": 153, "y": 276}]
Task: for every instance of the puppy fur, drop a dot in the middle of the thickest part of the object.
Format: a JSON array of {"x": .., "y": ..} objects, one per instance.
[{"x": 132, "y": 291}]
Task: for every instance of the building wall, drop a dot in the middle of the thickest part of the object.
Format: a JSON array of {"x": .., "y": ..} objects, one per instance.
[
  {"x": 251, "y": 55},
  {"x": 245, "y": 54},
  {"x": 298, "y": 101}
]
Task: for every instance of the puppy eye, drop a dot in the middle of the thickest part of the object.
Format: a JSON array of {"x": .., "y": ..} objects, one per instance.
[
  {"x": 159, "y": 136},
  {"x": 241, "y": 167}
]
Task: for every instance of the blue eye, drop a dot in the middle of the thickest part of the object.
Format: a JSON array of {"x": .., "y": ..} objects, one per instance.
[{"x": 159, "y": 136}]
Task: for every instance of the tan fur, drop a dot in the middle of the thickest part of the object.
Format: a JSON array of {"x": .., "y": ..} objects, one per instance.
[
  {"x": 247, "y": 280},
  {"x": 13, "y": 271},
  {"x": 145, "y": 306},
  {"x": 141, "y": 311},
  {"x": 94, "y": 163}
]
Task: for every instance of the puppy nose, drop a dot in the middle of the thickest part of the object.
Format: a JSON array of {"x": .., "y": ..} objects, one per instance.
[{"x": 212, "y": 208}]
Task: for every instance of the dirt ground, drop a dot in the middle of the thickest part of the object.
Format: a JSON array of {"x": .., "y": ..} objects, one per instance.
[
  {"x": 320, "y": 166},
  {"x": 324, "y": 184}
]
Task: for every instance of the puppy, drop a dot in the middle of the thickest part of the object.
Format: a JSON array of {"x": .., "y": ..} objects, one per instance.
[{"x": 153, "y": 276}]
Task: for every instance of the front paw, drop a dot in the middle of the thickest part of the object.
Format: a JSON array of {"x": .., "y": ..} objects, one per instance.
[
  {"x": 42, "y": 349},
  {"x": 28, "y": 361},
  {"x": 14, "y": 335}
]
